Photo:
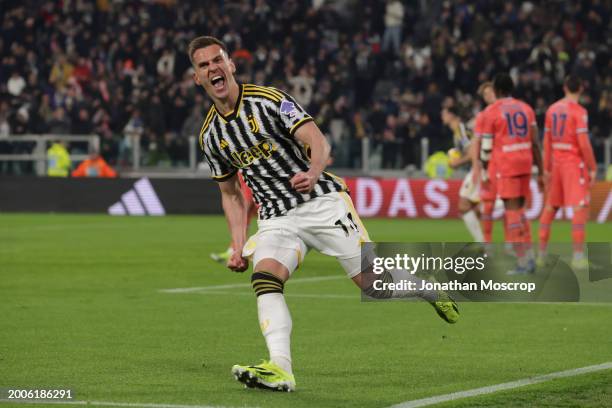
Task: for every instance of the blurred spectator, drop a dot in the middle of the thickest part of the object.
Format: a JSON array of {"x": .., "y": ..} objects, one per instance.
[
  {"x": 94, "y": 166},
  {"x": 390, "y": 142},
  {"x": 15, "y": 84},
  {"x": 82, "y": 123},
  {"x": 165, "y": 64},
  {"x": 339, "y": 124},
  {"x": 5, "y": 131},
  {"x": 5, "y": 128},
  {"x": 60, "y": 124},
  {"x": 19, "y": 123},
  {"x": 61, "y": 72},
  {"x": 132, "y": 132},
  {"x": 377, "y": 120},
  {"x": 302, "y": 87},
  {"x": 45, "y": 111},
  {"x": 193, "y": 123},
  {"x": 394, "y": 17},
  {"x": 176, "y": 149},
  {"x": 58, "y": 160}
]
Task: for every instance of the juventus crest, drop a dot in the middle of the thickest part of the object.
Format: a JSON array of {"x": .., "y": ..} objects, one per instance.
[{"x": 253, "y": 124}]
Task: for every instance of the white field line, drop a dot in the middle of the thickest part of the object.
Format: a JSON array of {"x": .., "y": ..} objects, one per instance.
[
  {"x": 55, "y": 227},
  {"x": 248, "y": 285},
  {"x": 413, "y": 300},
  {"x": 103, "y": 404},
  {"x": 602, "y": 304},
  {"x": 215, "y": 290},
  {"x": 408, "y": 404},
  {"x": 503, "y": 386},
  {"x": 218, "y": 290}
]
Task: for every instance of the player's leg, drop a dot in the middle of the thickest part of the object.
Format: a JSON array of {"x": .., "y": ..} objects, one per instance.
[
  {"x": 333, "y": 227},
  {"x": 470, "y": 218},
  {"x": 576, "y": 186},
  {"x": 469, "y": 196},
  {"x": 514, "y": 219},
  {"x": 277, "y": 252},
  {"x": 546, "y": 219},
  {"x": 513, "y": 205},
  {"x": 525, "y": 192},
  {"x": 268, "y": 280},
  {"x": 579, "y": 220},
  {"x": 444, "y": 305},
  {"x": 488, "y": 197},
  {"x": 516, "y": 235},
  {"x": 508, "y": 247},
  {"x": 512, "y": 193},
  {"x": 486, "y": 216},
  {"x": 527, "y": 225},
  {"x": 553, "y": 200}
]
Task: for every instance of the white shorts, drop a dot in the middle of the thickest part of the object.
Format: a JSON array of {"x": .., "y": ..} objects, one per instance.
[
  {"x": 328, "y": 223},
  {"x": 470, "y": 190}
]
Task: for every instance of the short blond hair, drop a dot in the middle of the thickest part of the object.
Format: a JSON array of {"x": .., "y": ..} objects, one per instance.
[{"x": 483, "y": 86}]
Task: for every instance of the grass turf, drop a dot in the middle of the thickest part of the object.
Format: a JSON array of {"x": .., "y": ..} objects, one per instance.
[{"x": 81, "y": 308}]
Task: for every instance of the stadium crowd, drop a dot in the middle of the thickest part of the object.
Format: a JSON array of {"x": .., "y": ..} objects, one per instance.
[{"x": 364, "y": 69}]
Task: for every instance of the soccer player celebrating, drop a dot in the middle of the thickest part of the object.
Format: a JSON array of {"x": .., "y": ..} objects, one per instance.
[
  {"x": 262, "y": 133},
  {"x": 509, "y": 126},
  {"x": 469, "y": 193},
  {"x": 570, "y": 167}
]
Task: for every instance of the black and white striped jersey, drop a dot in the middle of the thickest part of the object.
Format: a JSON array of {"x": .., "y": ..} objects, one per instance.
[{"x": 257, "y": 139}]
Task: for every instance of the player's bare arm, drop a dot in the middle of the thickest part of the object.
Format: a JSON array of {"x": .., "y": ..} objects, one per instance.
[
  {"x": 236, "y": 215},
  {"x": 537, "y": 156},
  {"x": 475, "y": 159},
  {"x": 466, "y": 157},
  {"x": 310, "y": 134},
  {"x": 587, "y": 153},
  {"x": 548, "y": 157}
]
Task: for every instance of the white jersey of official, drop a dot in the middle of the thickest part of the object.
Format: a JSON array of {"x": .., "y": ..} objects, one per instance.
[{"x": 257, "y": 139}]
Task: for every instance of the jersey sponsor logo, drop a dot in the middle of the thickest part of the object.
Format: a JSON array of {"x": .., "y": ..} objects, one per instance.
[
  {"x": 562, "y": 146},
  {"x": 262, "y": 150},
  {"x": 288, "y": 108},
  {"x": 516, "y": 147}
]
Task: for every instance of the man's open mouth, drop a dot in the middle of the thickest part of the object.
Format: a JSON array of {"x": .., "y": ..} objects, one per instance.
[{"x": 217, "y": 82}]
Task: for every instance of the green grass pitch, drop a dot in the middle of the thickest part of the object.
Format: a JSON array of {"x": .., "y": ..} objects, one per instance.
[{"x": 81, "y": 307}]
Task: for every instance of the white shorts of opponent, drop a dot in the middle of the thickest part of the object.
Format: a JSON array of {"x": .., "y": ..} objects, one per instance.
[
  {"x": 470, "y": 190},
  {"x": 328, "y": 223}
]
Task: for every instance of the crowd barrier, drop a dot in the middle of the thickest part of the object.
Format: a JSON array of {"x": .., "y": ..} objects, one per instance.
[{"x": 373, "y": 197}]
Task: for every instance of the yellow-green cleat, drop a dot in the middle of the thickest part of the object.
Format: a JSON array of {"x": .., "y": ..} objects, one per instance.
[
  {"x": 266, "y": 375},
  {"x": 446, "y": 307},
  {"x": 580, "y": 264},
  {"x": 541, "y": 261}
]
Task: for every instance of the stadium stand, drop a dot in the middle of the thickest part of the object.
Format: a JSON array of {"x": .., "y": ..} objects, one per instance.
[{"x": 116, "y": 68}]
